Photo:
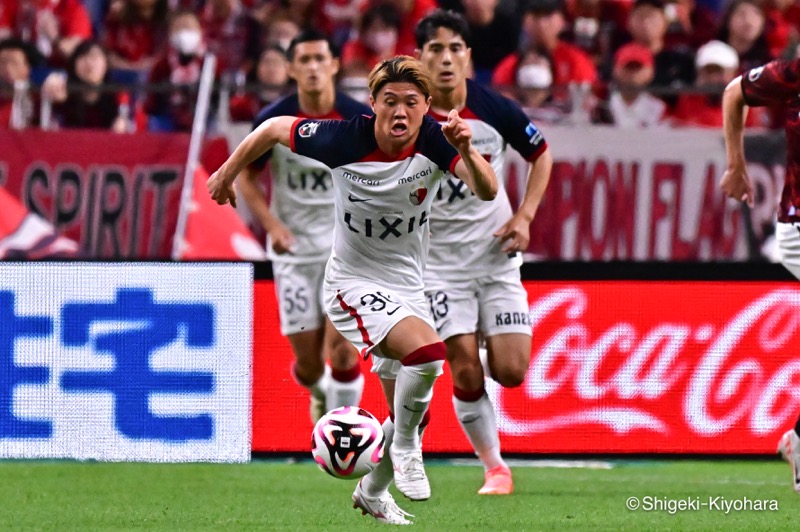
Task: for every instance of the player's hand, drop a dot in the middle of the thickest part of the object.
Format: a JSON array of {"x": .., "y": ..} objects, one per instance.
[
  {"x": 515, "y": 234},
  {"x": 457, "y": 131},
  {"x": 282, "y": 239},
  {"x": 736, "y": 184},
  {"x": 221, "y": 191}
]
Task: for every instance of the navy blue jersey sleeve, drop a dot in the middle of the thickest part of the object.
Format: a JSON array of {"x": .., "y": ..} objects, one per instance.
[
  {"x": 433, "y": 145},
  {"x": 287, "y": 106},
  {"x": 509, "y": 119},
  {"x": 327, "y": 141}
]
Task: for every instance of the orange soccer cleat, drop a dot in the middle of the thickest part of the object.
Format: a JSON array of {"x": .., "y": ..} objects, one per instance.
[{"x": 498, "y": 482}]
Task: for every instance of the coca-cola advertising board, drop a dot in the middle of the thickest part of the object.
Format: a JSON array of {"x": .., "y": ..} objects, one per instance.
[{"x": 617, "y": 366}]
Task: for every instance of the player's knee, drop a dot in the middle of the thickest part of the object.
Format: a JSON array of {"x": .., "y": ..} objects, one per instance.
[
  {"x": 467, "y": 374},
  {"x": 511, "y": 373},
  {"x": 426, "y": 360},
  {"x": 343, "y": 355}
]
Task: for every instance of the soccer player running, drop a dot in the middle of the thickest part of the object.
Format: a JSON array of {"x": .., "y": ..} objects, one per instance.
[
  {"x": 299, "y": 226},
  {"x": 776, "y": 83},
  {"x": 483, "y": 297},
  {"x": 386, "y": 170}
]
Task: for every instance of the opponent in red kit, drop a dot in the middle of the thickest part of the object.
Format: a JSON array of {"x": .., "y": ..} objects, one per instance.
[{"x": 776, "y": 83}]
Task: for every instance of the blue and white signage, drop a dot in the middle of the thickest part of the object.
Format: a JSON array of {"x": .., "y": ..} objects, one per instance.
[{"x": 115, "y": 361}]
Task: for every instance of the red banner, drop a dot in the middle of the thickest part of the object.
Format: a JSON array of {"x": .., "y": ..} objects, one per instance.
[
  {"x": 617, "y": 367},
  {"x": 116, "y": 195}
]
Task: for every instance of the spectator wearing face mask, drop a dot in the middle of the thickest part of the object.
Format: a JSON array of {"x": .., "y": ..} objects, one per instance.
[
  {"x": 376, "y": 41},
  {"x": 630, "y": 105},
  {"x": 171, "y": 105},
  {"x": 534, "y": 88}
]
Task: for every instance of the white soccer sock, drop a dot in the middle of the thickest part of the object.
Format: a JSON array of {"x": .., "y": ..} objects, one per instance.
[
  {"x": 477, "y": 419},
  {"x": 318, "y": 388},
  {"x": 344, "y": 393},
  {"x": 378, "y": 480},
  {"x": 412, "y": 396}
]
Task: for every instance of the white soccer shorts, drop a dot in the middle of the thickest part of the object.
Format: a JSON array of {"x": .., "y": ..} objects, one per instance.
[
  {"x": 298, "y": 288},
  {"x": 494, "y": 304},
  {"x": 364, "y": 312},
  {"x": 788, "y": 237}
]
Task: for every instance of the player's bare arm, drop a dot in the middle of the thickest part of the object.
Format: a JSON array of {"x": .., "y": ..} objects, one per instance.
[
  {"x": 259, "y": 141},
  {"x": 473, "y": 169},
  {"x": 735, "y": 182},
  {"x": 515, "y": 235},
  {"x": 280, "y": 236}
]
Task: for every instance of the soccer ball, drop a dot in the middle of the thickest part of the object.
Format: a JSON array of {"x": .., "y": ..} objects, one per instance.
[{"x": 347, "y": 442}]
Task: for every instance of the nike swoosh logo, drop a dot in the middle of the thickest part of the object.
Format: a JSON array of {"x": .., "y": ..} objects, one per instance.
[
  {"x": 412, "y": 410},
  {"x": 439, "y": 328},
  {"x": 356, "y": 200},
  {"x": 393, "y": 311}
]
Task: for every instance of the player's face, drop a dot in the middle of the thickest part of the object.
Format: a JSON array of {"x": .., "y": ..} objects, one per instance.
[
  {"x": 399, "y": 109},
  {"x": 313, "y": 67},
  {"x": 446, "y": 58}
]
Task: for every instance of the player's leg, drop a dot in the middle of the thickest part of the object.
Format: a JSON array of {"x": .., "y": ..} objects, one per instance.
[
  {"x": 421, "y": 353},
  {"x": 346, "y": 383},
  {"x": 301, "y": 318},
  {"x": 788, "y": 237},
  {"x": 309, "y": 369}
]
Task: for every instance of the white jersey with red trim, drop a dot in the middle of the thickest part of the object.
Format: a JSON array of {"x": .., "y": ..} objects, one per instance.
[
  {"x": 462, "y": 245},
  {"x": 302, "y": 188},
  {"x": 382, "y": 204}
]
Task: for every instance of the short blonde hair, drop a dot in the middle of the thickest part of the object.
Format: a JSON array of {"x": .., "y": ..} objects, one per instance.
[{"x": 399, "y": 69}]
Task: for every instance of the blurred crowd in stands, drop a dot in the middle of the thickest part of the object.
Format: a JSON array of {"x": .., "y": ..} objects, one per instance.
[{"x": 134, "y": 65}]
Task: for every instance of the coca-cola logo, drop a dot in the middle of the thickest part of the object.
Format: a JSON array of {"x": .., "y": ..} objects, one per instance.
[{"x": 663, "y": 365}]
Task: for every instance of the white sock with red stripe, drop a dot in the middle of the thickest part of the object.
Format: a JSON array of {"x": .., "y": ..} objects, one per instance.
[
  {"x": 476, "y": 416},
  {"x": 413, "y": 392}
]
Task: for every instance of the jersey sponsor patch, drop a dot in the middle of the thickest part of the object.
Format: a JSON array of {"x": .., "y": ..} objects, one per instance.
[
  {"x": 534, "y": 135},
  {"x": 418, "y": 196},
  {"x": 308, "y": 129}
]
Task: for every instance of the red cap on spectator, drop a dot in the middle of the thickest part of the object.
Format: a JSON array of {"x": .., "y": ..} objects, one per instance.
[{"x": 633, "y": 53}]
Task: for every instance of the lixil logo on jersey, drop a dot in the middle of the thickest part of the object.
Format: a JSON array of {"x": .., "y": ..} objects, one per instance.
[
  {"x": 308, "y": 129},
  {"x": 418, "y": 196}
]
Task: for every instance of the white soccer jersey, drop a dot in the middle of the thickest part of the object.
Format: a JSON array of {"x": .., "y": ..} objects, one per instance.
[
  {"x": 462, "y": 225},
  {"x": 382, "y": 204},
  {"x": 302, "y": 187}
]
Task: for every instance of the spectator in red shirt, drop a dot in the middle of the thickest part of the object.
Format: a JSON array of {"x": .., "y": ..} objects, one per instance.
[
  {"x": 178, "y": 68},
  {"x": 411, "y": 12},
  {"x": 376, "y": 41},
  {"x": 266, "y": 83},
  {"x": 54, "y": 26},
  {"x": 135, "y": 31},
  {"x": 229, "y": 32},
  {"x": 717, "y": 65},
  {"x": 542, "y": 24},
  {"x": 782, "y": 25}
]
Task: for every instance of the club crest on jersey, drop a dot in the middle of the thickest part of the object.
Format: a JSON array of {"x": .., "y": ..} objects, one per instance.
[
  {"x": 418, "y": 196},
  {"x": 308, "y": 129}
]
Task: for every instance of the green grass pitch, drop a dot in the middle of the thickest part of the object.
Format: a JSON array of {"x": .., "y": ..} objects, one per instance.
[{"x": 271, "y": 495}]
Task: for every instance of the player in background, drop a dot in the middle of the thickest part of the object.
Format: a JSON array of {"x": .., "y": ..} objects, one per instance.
[
  {"x": 483, "y": 297},
  {"x": 386, "y": 169},
  {"x": 776, "y": 83},
  {"x": 299, "y": 225}
]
